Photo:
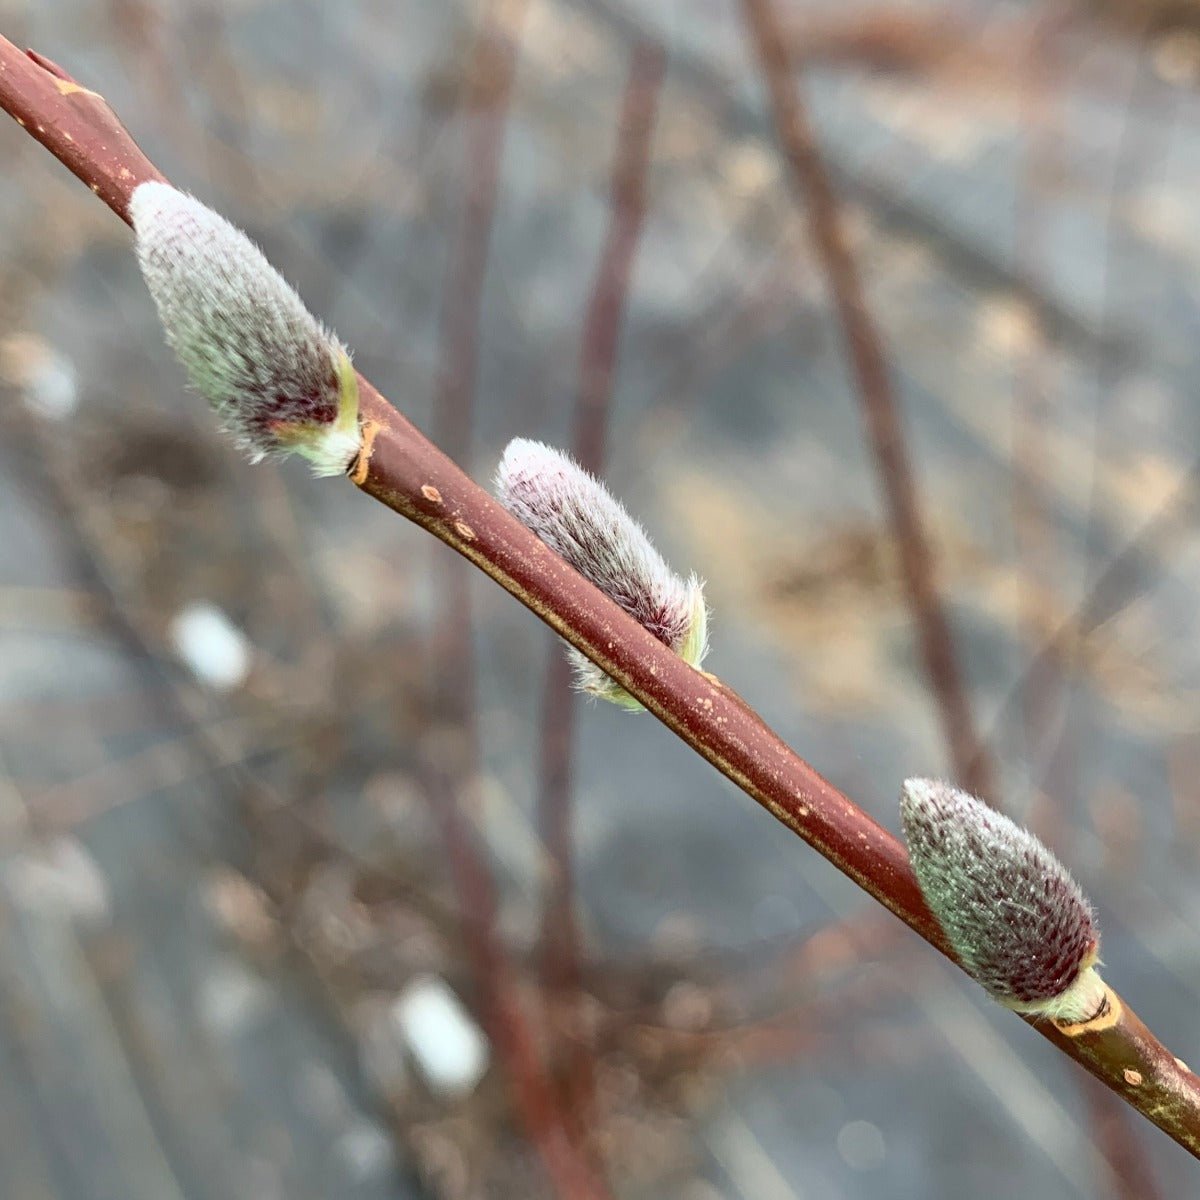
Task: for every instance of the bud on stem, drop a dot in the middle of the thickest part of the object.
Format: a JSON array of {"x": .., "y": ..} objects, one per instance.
[
  {"x": 279, "y": 381},
  {"x": 1015, "y": 918},
  {"x": 578, "y": 518}
]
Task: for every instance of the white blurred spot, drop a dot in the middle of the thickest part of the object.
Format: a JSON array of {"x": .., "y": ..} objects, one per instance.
[
  {"x": 1006, "y": 326},
  {"x": 210, "y": 644},
  {"x": 446, "y": 1044},
  {"x": 62, "y": 877},
  {"x": 47, "y": 379},
  {"x": 231, "y": 998},
  {"x": 1176, "y": 57},
  {"x": 52, "y": 391},
  {"x": 861, "y": 1145},
  {"x": 365, "y": 1150}
]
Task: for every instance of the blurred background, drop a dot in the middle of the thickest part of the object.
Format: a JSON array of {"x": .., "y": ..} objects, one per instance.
[{"x": 314, "y": 882}]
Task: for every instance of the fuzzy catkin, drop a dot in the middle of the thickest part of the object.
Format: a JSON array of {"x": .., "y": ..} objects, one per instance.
[
  {"x": 578, "y": 518},
  {"x": 279, "y": 381},
  {"x": 1018, "y": 922}
]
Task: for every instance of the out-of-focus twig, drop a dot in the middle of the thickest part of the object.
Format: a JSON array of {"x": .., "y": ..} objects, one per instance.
[
  {"x": 864, "y": 348},
  {"x": 971, "y": 758},
  {"x": 627, "y": 207},
  {"x": 406, "y": 472},
  {"x": 488, "y": 92},
  {"x": 597, "y": 368},
  {"x": 454, "y": 775},
  {"x": 506, "y": 1022}
]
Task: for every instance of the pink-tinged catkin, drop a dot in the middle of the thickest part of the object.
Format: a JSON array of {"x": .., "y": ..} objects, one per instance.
[
  {"x": 1016, "y": 920},
  {"x": 279, "y": 381},
  {"x": 578, "y": 518}
]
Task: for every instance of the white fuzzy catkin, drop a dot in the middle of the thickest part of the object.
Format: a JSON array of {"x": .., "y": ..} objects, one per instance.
[
  {"x": 1018, "y": 922},
  {"x": 576, "y": 516},
  {"x": 280, "y": 382}
]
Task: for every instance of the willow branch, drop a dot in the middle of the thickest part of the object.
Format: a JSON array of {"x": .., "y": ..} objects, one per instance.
[{"x": 401, "y": 468}]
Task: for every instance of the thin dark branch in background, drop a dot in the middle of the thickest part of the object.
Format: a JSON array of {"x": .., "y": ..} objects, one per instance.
[
  {"x": 506, "y": 1022},
  {"x": 606, "y": 309},
  {"x": 597, "y": 369},
  {"x": 199, "y": 748},
  {"x": 972, "y": 761},
  {"x": 491, "y": 77},
  {"x": 404, "y": 471},
  {"x": 453, "y": 750},
  {"x": 1111, "y": 347},
  {"x": 888, "y": 204},
  {"x": 492, "y": 69},
  {"x": 864, "y": 348},
  {"x": 864, "y": 343}
]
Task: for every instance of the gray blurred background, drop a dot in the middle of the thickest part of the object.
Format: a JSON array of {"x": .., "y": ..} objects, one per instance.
[{"x": 237, "y": 704}]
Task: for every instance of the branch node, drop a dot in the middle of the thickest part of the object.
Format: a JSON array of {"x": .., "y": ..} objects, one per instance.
[
  {"x": 1109, "y": 1014},
  {"x": 358, "y": 473}
]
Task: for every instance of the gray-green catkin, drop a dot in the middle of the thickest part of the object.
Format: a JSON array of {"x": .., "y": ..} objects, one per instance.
[
  {"x": 578, "y": 518},
  {"x": 280, "y": 382},
  {"x": 1017, "y": 921}
]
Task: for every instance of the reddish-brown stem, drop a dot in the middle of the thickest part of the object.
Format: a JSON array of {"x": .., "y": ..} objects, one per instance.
[
  {"x": 410, "y": 475},
  {"x": 864, "y": 348},
  {"x": 76, "y": 125},
  {"x": 597, "y": 365}
]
